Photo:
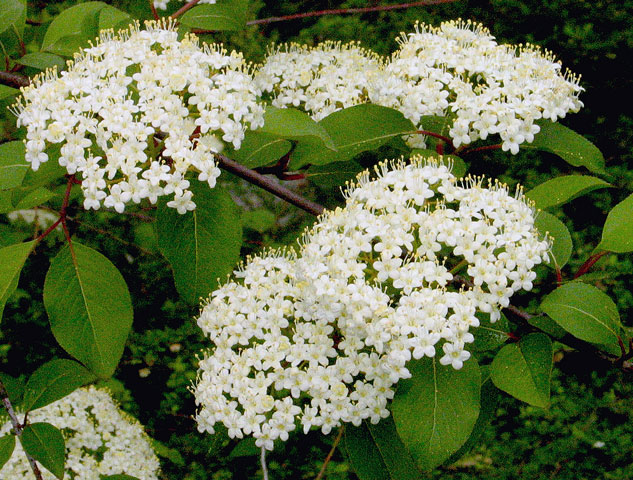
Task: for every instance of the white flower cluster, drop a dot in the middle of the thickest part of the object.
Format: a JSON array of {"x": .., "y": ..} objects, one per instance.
[
  {"x": 322, "y": 337},
  {"x": 100, "y": 440},
  {"x": 459, "y": 70},
  {"x": 135, "y": 112},
  {"x": 42, "y": 219},
  {"x": 321, "y": 79},
  {"x": 456, "y": 70},
  {"x": 162, "y": 4}
]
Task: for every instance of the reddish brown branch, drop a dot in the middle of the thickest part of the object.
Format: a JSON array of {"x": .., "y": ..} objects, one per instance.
[
  {"x": 14, "y": 80},
  {"x": 153, "y": 9},
  {"x": 184, "y": 8},
  {"x": 269, "y": 185},
  {"x": 342, "y": 11}
]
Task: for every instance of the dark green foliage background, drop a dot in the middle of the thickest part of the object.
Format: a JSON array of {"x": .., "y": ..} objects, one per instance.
[{"x": 588, "y": 430}]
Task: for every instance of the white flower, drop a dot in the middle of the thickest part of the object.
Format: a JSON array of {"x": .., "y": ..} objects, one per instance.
[
  {"x": 152, "y": 106},
  {"x": 100, "y": 440},
  {"x": 458, "y": 70},
  {"x": 320, "y": 79},
  {"x": 321, "y": 337}
]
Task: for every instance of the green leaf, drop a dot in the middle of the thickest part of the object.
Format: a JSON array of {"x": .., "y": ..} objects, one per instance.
[
  {"x": 6, "y": 92},
  {"x": 488, "y": 335},
  {"x": 7, "y": 444},
  {"x": 437, "y": 124},
  {"x": 585, "y": 312},
  {"x": 488, "y": 401},
  {"x": 49, "y": 171},
  {"x": 68, "y": 45},
  {"x": 14, "y": 388},
  {"x": 617, "y": 234},
  {"x": 562, "y": 245},
  {"x": 260, "y": 220},
  {"x": 33, "y": 198},
  {"x": 334, "y": 175},
  {"x": 377, "y": 453},
  {"x": 42, "y": 60},
  {"x": 259, "y": 149},
  {"x": 457, "y": 164},
  {"x": 219, "y": 16},
  {"x": 10, "y": 235},
  {"x": 294, "y": 124},
  {"x": 164, "y": 451},
  {"x": 568, "y": 145},
  {"x": 436, "y": 409},
  {"x": 12, "y": 34},
  {"x": 11, "y": 13},
  {"x": 45, "y": 443},
  {"x": 113, "y": 18},
  {"x": 523, "y": 369},
  {"x": 245, "y": 448},
  {"x": 54, "y": 380},
  {"x": 560, "y": 190},
  {"x": 13, "y": 167},
  {"x": 89, "y": 307},
  {"x": 73, "y": 28},
  {"x": 549, "y": 326},
  {"x": 203, "y": 245},
  {"x": 354, "y": 130},
  {"x": 12, "y": 260}
]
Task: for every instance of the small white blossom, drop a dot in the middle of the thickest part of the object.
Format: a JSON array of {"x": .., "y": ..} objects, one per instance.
[
  {"x": 320, "y": 79},
  {"x": 100, "y": 439}
]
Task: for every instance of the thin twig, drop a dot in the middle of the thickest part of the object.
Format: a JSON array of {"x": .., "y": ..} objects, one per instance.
[
  {"x": 184, "y": 8},
  {"x": 269, "y": 185},
  {"x": 341, "y": 11},
  {"x": 153, "y": 9},
  {"x": 18, "y": 428},
  {"x": 330, "y": 454},
  {"x": 14, "y": 80}
]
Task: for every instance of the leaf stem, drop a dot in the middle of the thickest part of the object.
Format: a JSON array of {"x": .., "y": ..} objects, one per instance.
[
  {"x": 331, "y": 453},
  {"x": 585, "y": 267},
  {"x": 478, "y": 149},
  {"x": 18, "y": 427},
  {"x": 428, "y": 133},
  {"x": 341, "y": 11},
  {"x": 269, "y": 185}
]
